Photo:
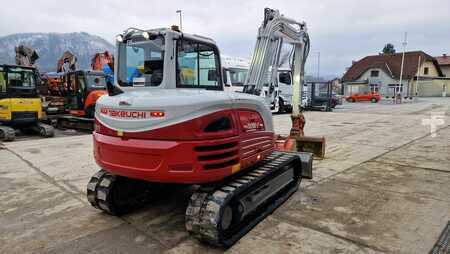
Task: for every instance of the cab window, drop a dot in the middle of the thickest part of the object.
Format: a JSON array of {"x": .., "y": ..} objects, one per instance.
[
  {"x": 81, "y": 86},
  {"x": 96, "y": 81},
  {"x": 197, "y": 65},
  {"x": 141, "y": 62},
  {"x": 285, "y": 78},
  {"x": 238, "y": 76},
  {"x": 18, "y": 77},
  {"x": 71, "y": 84}
]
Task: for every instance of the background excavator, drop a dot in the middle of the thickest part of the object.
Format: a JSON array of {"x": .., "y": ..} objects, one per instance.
[
  {"x": 167, "y": 120},
  {"x": 102, "y": 61},
  {"x": 20, "y": 103},
  {"x": 75, "y": 93}
]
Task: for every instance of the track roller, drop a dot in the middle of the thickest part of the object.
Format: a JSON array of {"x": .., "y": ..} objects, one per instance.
[
  {"x": 7, "y": 133},
  {"x": 222, "y": 214},
  {"x": 117, "y": 195},
  {"x": 45, "y": 130}
]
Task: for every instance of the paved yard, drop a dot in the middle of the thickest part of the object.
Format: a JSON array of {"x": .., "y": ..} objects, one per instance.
[{"x": 384, "y": 187}]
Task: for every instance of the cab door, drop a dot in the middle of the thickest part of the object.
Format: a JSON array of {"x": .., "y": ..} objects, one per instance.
[
  {"x": 285, "y": 86},
  {"x": 71, "y": 86}
]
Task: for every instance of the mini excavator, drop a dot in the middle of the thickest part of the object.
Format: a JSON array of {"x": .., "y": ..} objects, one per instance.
[
  {"x": 20, "y": 103},
  {"x": 166, "y": 120}
]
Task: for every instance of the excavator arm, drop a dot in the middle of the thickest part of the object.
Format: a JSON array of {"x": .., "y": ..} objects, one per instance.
[
  {"x": 26, "y": 56},
  {"x": 273, "y": 32},
  {"x": 68, "y": 59}
]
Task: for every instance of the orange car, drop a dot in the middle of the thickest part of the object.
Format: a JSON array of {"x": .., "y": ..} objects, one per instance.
[{"x": 370, "y": 96}]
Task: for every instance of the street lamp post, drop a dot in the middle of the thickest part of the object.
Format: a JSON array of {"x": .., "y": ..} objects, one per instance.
[
  {"x": 401, "y": 69},
  {"x": 181, "y": 20}
]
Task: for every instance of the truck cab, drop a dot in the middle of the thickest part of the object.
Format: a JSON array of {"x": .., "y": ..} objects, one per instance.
[
  {"x": 235, "y": 71},
  {"x": 285, "y": 89}
]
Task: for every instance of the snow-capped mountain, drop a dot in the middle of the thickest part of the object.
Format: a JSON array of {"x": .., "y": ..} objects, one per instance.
[{"x": 50, "y": 47}]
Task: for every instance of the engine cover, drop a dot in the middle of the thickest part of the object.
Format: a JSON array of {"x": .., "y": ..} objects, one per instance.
[{"x": 149, "y": 109}]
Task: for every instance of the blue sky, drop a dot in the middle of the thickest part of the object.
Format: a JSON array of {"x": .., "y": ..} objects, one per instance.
[{"x": 341, "y": 31}]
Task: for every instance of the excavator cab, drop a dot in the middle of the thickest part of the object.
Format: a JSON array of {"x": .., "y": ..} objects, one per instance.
[
  {"x": 167, "y": 59},
  {"x": 82, "y": 89},
  {"x": 20, "y": 104}
]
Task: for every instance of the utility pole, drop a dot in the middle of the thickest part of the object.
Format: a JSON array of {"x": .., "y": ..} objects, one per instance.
[
  {"x": 318, "y": 66},
  {"x": 417, "y": 78},
  {"x": 181, "y": 20},
  {"x": 401, "y": 68}
]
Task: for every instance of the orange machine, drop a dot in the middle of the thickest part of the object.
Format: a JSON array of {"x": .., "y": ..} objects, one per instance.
[
  {"x": 101, "y": 59},
  {"x": 71, "y": 94},
  {"x": 82, "y": 89}
]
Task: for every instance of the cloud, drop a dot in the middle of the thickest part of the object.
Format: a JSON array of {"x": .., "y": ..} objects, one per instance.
[{"x": 342, "y": 31}]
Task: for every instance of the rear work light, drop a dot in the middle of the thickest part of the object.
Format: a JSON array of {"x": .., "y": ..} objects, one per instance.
[{"x": 157, "y": 114}]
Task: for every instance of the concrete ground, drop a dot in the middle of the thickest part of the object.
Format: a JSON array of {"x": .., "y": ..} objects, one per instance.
[{"x": 384, "y": 187}]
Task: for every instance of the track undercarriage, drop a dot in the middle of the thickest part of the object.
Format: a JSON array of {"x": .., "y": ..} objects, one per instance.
[
  {"x": 7, "y": 133},
  {"x": 219, "y": 213},
  {"x": 75, "y": 122}
]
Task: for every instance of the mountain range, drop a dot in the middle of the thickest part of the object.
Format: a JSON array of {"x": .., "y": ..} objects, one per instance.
[{"x": 50, "y": 47}]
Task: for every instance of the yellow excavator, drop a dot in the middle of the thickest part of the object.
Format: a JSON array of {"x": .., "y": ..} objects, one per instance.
[{"x": 20, "y": 103}]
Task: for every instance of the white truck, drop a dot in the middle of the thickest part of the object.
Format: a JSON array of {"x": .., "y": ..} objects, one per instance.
[{"x": 235, "y": 71}]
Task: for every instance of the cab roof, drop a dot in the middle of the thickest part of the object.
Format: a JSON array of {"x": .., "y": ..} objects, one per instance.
[{"x": 164, "y": 31}]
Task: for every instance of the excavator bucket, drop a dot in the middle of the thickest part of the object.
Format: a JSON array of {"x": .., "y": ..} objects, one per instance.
[
  {"x": 314, "y": 145},
  {"x": 298, "y": 142}
]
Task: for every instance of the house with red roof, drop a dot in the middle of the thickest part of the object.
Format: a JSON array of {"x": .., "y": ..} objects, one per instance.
[
  {"x": 444, "y": 63},
  {"x": 422, "y": 75}
]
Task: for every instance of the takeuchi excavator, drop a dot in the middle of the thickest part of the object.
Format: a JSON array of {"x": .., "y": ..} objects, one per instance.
[{"x": 166, "y": 120}]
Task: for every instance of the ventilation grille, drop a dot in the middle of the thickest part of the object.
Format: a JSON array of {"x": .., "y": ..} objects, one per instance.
[{"x": 218, "y": 156}]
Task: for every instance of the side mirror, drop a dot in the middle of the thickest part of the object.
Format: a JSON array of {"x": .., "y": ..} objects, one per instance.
[
  {"x": 227, "y": 85},
  {"x": 271, "y": 88},
  {"x": 212, "y": 75}
]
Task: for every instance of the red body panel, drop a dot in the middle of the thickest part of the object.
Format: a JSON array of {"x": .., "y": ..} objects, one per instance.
[{"x": 190, "y": 156}]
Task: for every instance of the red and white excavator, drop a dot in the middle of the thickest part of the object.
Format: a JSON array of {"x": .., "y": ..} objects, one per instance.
[{"x": 167, "y": 120}]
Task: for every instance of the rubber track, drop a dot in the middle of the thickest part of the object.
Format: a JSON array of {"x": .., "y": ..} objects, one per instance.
[
  {"x": 105, "y": 192},
  {"x": 98, "y": 191},
  {"x": 7, "y": 133},
  {"x": 203, "y": 214}
]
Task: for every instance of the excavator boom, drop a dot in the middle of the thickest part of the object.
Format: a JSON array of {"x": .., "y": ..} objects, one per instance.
[
  {"x": 273, "y": 32},
  {"x": 26, "y": 56},
  {"x": 68, "y": 59}
]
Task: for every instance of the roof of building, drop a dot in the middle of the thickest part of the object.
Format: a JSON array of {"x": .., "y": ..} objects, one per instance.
[
  {"x": 391, "y": 64},
  {"x": 443, "y": 60}
]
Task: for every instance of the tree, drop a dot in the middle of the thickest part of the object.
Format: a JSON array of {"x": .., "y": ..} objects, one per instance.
[{"x": 389, "y": 49}]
